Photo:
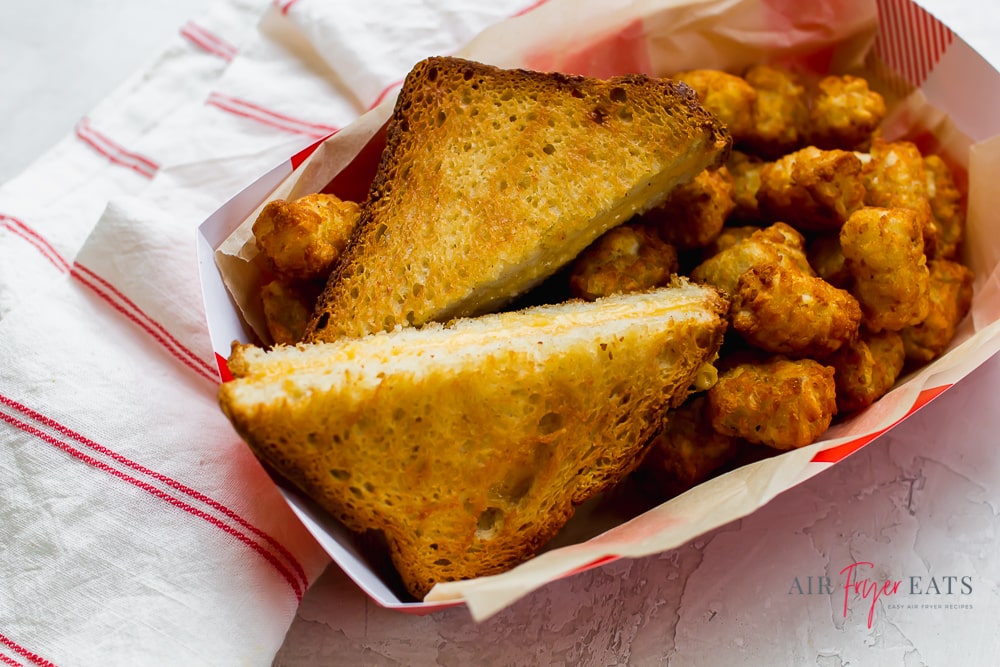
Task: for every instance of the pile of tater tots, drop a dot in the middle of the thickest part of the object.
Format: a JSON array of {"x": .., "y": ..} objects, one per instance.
[{"x": 838, "y": 250}]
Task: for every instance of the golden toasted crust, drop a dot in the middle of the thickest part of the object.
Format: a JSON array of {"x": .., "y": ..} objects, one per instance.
[
  {"x": 726, "y": 95},
  {"x": 492, "y": 179},
  {"x": 468, "y": 445}
]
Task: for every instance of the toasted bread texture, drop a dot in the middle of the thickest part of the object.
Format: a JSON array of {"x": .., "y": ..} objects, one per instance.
[
  {"x": 493, "y": 179},
  {"x": 468, "y": 445}
]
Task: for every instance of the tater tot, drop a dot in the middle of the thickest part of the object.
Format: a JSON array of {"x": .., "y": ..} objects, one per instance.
[
  {"x": 745, "y": 170},
  {"x": 726, "y": 95},
  {"x": 288, "y": 308},
  {"x": 727, "y": 238},
  {"x": 687, "y": 451},
  {"x": 781, "y": 403},
  {"x": 894, "y": 177},
  {"x": 950, "y": 298},
  {"x": 827, "y": 260},
  {"x": 781, "y": 111},
  {"x": 787, "y": 312},
  {"x": 694, "y": 212},
  {"x": 866, "y": 369},
  {"x": 812, "y": 189},
  {"x": 303, "y": 239},
  {"x": 778, "y": 244},
  {"x": 844, "y": 113},
  {"x": 884, "y": 251},
  {"x": 946, "y": 205},
  {"x": 627, "y": 258}
]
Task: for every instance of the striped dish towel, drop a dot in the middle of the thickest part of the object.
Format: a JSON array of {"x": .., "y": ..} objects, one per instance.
[{"x": 137, "y": 528}]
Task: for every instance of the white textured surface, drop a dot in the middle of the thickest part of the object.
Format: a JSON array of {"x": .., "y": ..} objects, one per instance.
[
  {"x": 59, "y": 58},
  {"x": 920, "y": 502}
]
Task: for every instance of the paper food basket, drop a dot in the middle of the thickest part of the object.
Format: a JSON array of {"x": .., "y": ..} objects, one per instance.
[{"x": 941, "y": 95}]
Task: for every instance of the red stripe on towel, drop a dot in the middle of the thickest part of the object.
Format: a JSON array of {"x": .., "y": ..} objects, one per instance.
[
  {"x": 525, "y": 10},
  {"x": 147, "y": 324},
  {"x": 114, "y": 151},
  {"x": 34, "y": 238},
  {"x": 24, "y": 653},
  {"x": 208, "y": 41},
  {"x": 297, "y": 583},
  {"x": 160, "y": 477},
  {"x": 113, "y": 297},
  {"x": 385, "y": 92},
  {"x": 246, "y": 109}
]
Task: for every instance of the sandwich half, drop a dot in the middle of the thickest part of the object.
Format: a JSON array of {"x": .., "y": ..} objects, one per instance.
[
  {"x": 468, "y": 445},
  {"x": 493, "y": 179}
]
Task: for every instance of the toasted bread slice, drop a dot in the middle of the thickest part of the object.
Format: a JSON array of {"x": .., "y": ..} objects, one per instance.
[
  {"x": 492, "y": 179},
  {"x": 469, "y": 444}
]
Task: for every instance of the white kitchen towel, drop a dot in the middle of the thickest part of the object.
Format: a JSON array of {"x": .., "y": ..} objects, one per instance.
[{"x": 136, "y": 527}]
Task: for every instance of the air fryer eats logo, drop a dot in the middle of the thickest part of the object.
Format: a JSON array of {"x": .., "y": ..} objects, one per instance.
[{"x": 859, "y": 586}]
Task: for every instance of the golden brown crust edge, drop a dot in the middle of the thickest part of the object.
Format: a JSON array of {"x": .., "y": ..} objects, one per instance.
[
  {"x": 337, "y": 311},
  {"x": 509, "y": 452}
]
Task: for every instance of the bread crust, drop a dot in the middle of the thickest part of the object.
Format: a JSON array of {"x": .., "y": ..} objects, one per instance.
[
  {"x": 469, "y": 445},
  {"x": 493, "y": 179}
]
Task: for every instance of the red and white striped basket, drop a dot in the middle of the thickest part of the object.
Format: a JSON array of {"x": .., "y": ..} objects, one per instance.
[{"x": 911, "y": 55}]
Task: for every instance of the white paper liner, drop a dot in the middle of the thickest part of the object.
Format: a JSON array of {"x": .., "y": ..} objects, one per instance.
[{"x": 660, "y": 37}]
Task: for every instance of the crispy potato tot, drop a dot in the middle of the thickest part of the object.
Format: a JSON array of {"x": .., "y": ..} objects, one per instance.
[
  {"x": 844, "y": 113},
  {"x": 304, "y": 238},
  {"x": 866, "y": 369},
  {"x": 781, "y": 403},
  {"x": 950, "y": 298},
  {"x": 812, "y": 189},
  {"x": 287, "y": 309},
  {"x": 727, "y": 238},
  {"x": 946, "y": 205},
  {"x": 688, "y": 451},
  {"x": 627, "y": 258},
  {"x": 788, "y": 312},
  {"x": 745, "y": 170},
  {"x": 735, "y": 351},
  {"x": 778, "y": 244},
  {"x": 894, "y": 177},
  {"x": 884, "y": 251},
  {"x": 827, "y": 260},
  {"x": 694, "y": 213},
  {"x": 781, "y": 111},
  {"x": 726, "y": 95}
]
